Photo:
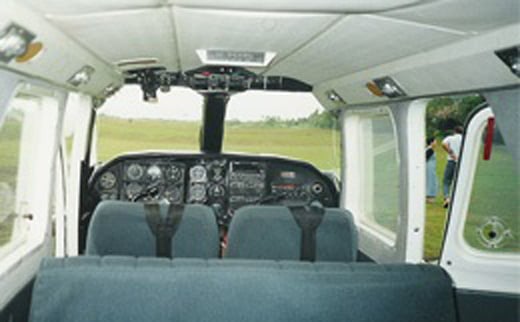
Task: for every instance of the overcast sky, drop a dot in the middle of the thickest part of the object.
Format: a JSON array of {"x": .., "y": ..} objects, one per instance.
[{"x": 185, "y": 104}]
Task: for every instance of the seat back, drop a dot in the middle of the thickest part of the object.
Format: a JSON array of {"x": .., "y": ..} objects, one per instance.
[
  {"x": 120, "y": 228},
  {"x": 271, "y": 232},
  {"x": 188, "y": 290}
]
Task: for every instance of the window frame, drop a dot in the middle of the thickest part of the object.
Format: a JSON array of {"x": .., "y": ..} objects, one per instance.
[
  {"x": 409, "y": 120},
  {"x": 20, "y": 260}
]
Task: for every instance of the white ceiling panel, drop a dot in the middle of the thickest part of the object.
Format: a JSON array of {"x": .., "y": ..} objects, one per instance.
[
  {"x": 247, "y": 31},
  {"x": 299, "y": 5},
  {"x": 125, "y": 35},
  {"x": 360, "y": 42},
  {"x": 466, "y": 15},
  {"x": 466, "y": 65},
  {"x": 66, "y": 7}
]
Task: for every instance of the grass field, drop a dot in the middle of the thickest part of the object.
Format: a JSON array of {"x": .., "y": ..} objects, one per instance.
[{"x": 117, "y": 136}]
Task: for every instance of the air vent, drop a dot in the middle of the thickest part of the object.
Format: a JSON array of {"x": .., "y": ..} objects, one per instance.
[
  {"x": 511, "y": 57},
  {"x": 235, "y": 58}
]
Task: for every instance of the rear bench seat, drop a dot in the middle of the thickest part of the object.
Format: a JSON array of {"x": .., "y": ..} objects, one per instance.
[{"x": 159, "y": 289}]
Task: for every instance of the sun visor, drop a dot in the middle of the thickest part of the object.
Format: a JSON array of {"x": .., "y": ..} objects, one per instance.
[{"x": 506, "y": 107}]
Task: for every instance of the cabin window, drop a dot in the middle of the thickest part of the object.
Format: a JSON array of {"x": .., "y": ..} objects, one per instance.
[
  {"x": 493, "y": 222},
  {"x": 292, "y": 125},
  {"x": 11, "y": 226},
  {"x": 380, "y": 168}
]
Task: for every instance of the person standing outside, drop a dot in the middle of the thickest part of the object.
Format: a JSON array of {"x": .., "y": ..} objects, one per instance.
[
  {"x": 431, "y": 170},
  {"x": 451, "y": 144}
]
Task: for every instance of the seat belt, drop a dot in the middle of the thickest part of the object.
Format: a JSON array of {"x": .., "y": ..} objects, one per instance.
[
  {"x": 163, "y": 228},
  {"x": 308, "y": 218}
]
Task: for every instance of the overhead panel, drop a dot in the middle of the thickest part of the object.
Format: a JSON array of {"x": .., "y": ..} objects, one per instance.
[
  {"x": 359, "y": 42},
  {"x": 469, "y": 65},
  {"x": 280, "y": 33},
  {"x": 125, "y": 35},
  {"x": 300, "y": 5},
  {"x": 77, "y": 7},
  {"x": 465, "y": 15},
  {"x": 61, "y": 57}
]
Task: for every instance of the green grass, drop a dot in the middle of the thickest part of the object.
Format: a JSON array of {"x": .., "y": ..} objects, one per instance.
[
  {"x": 118, "y": 136},
  {"x": 495, "y": 194},
  {"x": 9, "y": 153},
  {"x": 436, "y": 215},
  {"x": 6, "y": 229}
]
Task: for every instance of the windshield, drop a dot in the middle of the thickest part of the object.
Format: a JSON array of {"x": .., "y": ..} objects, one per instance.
[
  {"x": 293, "y": 125},
  {"x": 127, "y": 124},
  {"x": 290, "y": 125}
]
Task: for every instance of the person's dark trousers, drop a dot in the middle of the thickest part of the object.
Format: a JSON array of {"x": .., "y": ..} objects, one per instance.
[{"x": 449, "y": 173}]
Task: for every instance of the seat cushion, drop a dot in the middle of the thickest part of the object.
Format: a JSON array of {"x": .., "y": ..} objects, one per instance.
[
  {"x": 271, "y": 232},
  {"x": 187, "y": 290},
  {"x": 120, "y": 228}
]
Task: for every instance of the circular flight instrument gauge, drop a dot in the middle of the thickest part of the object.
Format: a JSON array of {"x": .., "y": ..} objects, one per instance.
[
  {"x": 198, "y": 174},
  {"x": 154, "y": 172},
  {"x": 134, "y": 172},
  {"x": 107, "y": 180},
  {"x": 175, "y": 173},
  {"x": 216, "y": 170},
  {"x": 173, "y": 194},
  {"x": 197, "y": 193},
  {"x": 133, "y": 190},
  {"x": 217, "y": 191}
]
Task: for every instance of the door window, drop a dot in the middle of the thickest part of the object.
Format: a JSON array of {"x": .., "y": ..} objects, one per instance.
[{"x": 493, "y": 218}]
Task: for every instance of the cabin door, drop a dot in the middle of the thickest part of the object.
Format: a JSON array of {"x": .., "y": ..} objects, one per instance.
[{"x": 481, "y": 250}]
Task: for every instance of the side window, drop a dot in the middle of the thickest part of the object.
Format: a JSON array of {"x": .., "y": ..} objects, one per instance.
[
  {"x": 493, "y": 221},
  {"x": 27, "y": 137},
  {"x": 381, "y": 166},
  {"x": 10, "y": 143}
]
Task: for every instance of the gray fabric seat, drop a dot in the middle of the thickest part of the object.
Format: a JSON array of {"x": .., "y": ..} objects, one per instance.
[
  {"x": 187, "y": 290},
  {"x": 120, "y": 228},
  {"x": 271, "y": 232}
]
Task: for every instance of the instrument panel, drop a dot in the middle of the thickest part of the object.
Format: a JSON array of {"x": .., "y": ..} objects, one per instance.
[{"x": 224, "y": 182}]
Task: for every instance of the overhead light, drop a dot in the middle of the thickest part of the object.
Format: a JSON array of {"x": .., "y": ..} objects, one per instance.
[
  {"x": 389, "y": 87},
  {"x": 14, "y": 41},
  {"x": 235, "y": 58},
  {"x": 33, "y": 49},
  {"x": 372, "y": 87},
  {"x": 334, "y": 97},
  {"x": 110, "y": 90},
  {"x": 82, "y": 76},
  {"x": 511, "y": 57}
]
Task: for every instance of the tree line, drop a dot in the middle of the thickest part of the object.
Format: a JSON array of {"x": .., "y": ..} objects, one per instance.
[{"x": 442, "y": 115}]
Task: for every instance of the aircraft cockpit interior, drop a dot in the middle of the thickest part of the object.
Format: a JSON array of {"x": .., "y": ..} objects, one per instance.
[{"x": 276, "y": 160}]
